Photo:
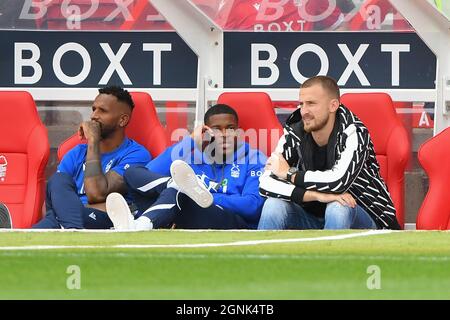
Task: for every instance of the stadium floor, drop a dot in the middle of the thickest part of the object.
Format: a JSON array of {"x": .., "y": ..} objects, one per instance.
[{"x": 173, "y": 264}]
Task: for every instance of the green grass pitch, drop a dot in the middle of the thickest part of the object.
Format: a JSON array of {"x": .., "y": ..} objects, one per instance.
[{"x": 409, "y": 265}]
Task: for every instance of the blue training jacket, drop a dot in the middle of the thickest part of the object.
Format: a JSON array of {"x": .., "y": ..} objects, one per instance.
[
  {"x": 129, "y": 153},
  {"x": 234, "y": 186}
]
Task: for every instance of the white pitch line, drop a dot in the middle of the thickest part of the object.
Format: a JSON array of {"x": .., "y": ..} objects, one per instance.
[
  {"x": 228, "y": 256},
  {"x": 203, "y": 245}
]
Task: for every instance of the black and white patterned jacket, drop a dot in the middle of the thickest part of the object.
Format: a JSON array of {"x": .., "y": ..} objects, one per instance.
[{"x": 352, "y": 165}]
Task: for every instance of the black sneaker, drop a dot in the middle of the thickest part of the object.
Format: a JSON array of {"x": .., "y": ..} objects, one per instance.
[{"x": 5, "y": 217}]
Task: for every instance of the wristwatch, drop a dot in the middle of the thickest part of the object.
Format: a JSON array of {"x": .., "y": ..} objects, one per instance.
[{"x": 290, "y": 173}]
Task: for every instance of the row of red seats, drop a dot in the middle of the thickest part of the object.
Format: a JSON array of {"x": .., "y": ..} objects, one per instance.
[{"x": 24, "y": 148}]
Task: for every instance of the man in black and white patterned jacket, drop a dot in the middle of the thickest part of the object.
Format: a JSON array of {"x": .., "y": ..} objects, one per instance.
[{"x": 324, "y": 173}]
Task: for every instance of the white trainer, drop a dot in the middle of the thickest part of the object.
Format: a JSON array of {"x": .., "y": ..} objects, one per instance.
[
  {"x": 189, "y": 184},
  {"x": 119, "y": 212}
]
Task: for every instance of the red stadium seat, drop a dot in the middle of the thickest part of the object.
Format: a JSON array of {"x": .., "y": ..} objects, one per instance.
[
  {"x": 24, "y": 152},
  {"x": 390, "y": 139},
  {"x": 434, "y": 156},
  {"x": 255, "y": 111},
  {"x": 144, "y": 128}
]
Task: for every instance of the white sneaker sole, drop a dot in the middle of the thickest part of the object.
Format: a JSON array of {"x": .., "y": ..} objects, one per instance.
[
  {"x": 118, "y": 211},
  {"x": 187, "y": 181}
]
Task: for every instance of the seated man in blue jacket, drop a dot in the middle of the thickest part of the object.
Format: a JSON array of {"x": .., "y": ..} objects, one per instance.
[
  {"x": 76, "y": 193},
  {"x": 209, "y": 180}
]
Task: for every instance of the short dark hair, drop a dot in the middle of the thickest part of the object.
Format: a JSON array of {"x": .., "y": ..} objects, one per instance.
[
  {"x": 328, "y": 83},
  {"x": 121, "y": 94},
  {"x": 220, "y": 109}
]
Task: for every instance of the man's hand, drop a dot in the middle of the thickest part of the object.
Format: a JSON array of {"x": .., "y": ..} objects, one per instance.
[
  {"x": 198, "y": 135},
  {"x": 346, "y": 199},
  {"x": 90, "y": 131},
  {"x": 277, "y": 165}
]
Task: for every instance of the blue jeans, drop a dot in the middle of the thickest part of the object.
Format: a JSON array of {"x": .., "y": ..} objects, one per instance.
[{"x": 278, "y": 214}]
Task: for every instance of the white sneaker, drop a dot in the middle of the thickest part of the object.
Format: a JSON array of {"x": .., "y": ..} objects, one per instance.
[
  {"x": 189, "y": 184},
  {"x": 5, "y": 217},
  {"x": 119, "y": 212}
]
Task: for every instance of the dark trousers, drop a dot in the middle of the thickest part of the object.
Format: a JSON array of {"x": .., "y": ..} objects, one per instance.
[
  {"x": 65, "y": 209},
  {"x": 166, "y": 206}
]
